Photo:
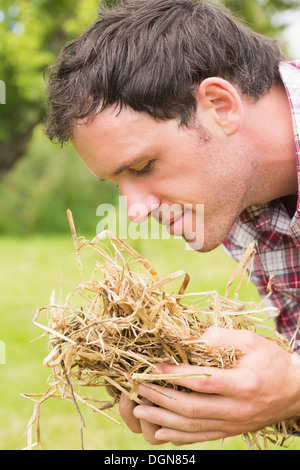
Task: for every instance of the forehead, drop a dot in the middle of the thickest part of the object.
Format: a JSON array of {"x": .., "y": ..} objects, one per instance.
[
  {"x": 113, "y": 140},
  {"x": 112, "y": 132},
  {"x": 110, "y": 120}
]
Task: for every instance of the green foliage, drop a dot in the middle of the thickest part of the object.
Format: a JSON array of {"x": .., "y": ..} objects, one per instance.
[
  {"x": 32, "y": 33},
  {"x": 35, "y": 196},
  {"x": 258, "y": 13},
  {"x": 36, "y": 193}
]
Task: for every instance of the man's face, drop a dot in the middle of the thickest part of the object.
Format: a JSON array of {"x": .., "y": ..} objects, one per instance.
[{"x": 165, "y": 171}]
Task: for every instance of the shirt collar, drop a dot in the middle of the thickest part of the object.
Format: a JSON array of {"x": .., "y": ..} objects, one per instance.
[
  {"x": 264, "y": 217},
  {"x": 270, "y": 216},
  {"x": 290, "y": 74}
]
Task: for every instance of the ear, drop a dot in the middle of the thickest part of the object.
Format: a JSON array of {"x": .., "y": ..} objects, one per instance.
[{"x": 223, "y": 101}]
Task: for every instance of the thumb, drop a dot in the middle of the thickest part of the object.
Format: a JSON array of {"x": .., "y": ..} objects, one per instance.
[{"x": 219, "y": 337}]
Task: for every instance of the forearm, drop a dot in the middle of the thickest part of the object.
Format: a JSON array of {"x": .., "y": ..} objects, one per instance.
[
  {"x": 261, "y": 391},
  {"x": 293, "y": 384}
]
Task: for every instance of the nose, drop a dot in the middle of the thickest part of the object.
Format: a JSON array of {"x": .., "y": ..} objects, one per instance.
[
  {"x": 140, "y": 210},
  {"x": 140, "y": 203}
]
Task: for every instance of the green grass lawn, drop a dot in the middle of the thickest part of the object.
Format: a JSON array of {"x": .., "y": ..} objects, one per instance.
[{"x": 30, "y": 269}]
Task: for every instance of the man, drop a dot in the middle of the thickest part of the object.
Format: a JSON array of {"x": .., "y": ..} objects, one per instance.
[{"x": 181, "y": 104}]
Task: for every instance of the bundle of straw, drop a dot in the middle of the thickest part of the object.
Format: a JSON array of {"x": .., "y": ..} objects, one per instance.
[{"x": 114, "y": 328}]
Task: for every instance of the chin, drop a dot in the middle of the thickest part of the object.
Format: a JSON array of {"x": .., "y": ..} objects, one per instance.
[
  {"x": 205, "y": 235},
  {"x": 205, "y": 244},
  {"x": 205, "y": 248}
]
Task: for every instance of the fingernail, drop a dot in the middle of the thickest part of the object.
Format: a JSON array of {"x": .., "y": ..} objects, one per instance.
[
  {"x": 161, "y": 367},
  {"x": 140, "y": 413},
  {"x": 160, "y": 435}
]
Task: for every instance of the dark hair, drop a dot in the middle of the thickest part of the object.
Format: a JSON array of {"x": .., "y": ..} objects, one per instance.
[{"x": 151, "y": 55}]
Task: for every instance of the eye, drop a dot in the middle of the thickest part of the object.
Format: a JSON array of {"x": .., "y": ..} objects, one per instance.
[{"x": 145, "y": 169}]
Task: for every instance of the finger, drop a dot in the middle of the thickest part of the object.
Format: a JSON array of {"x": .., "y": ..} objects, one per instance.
[
  {"x": 111, "y": 390},
  {"x": 169, "y": 419},
  {"x": 149, "y": 430},
  {"x": 220, "y": 337},
  {"x": 190, "y": 405},
  {"x": 218, "y": 381},
  {"x": 126, "y": 408},
  {"x": 183, "y": 438}
]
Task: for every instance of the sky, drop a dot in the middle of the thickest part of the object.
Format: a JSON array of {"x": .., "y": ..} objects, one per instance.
[{"x": 292, "y": 33}]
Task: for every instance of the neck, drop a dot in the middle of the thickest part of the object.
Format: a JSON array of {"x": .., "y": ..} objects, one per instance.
[{"x": 269, "y": 130}]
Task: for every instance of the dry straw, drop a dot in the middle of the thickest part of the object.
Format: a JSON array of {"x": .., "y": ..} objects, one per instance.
[{"x": 114, "y": 328}]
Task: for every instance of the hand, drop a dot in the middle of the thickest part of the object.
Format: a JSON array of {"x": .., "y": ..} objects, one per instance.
[{"x": 263, "y": 389}]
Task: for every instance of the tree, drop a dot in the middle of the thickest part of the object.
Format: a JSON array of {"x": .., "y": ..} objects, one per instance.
[
  {"x": 32, "y": 33},
  {"x": 31, "y": 36},
  {"x": 259, "y": 14}
]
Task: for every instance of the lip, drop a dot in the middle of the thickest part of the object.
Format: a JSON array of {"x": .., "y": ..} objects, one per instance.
[{"x": 176, "y": 226}]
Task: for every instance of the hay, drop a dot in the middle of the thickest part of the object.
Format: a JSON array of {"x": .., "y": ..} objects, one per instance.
[{"x": 113, "y": 329}]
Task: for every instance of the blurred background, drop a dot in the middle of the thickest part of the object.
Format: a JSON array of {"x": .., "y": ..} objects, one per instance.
[{"x": 39, "y": 181}]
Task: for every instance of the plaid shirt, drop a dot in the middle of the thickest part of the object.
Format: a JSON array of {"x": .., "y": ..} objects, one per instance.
[{"x": 276, "y": 234}]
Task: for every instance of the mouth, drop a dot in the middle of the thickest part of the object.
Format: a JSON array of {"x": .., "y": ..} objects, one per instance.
[
  {"x": 175, "y": 227},
  {"x": 167, "y": 216},
  {"x": 185, "y": 223}
]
